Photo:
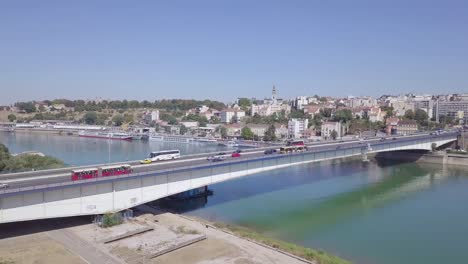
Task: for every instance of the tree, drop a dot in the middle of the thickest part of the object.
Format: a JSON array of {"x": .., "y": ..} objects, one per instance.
[
  {"x": 409, "y": 114},
  {"x": 183, "y": 130},
  {"x": 11, "y": 117},
  {"x": 223, "y": 132},
  {"x": 388, "y": 109},
  {"x": 343, "y": 115},
  {"x": 247, "y": 133},
  {"x": 420, "y": 116},
  {"x": 128, "y": 118},
  {"x": 28, "y": 107},
  {"x": 118, "y": 120},
  {"x": 334, "y": 134},
  {"x": 90, "y": 118},
  {"x": 326, "y": 112},
  {"x": 297, "y": 114},
  {"x": 244, "y": 103},
  {"x": 270, "y": 133}
]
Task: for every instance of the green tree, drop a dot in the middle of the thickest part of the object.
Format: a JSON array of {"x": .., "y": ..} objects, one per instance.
[
  {"x": 118, "y": 120},
  {"x": 244, "y": 103},
  {"x": 90, "y": 118},
  {"x": 11, "y": 117},
  {"x": 270, "y": 133},
  {"x": 183, "y": 129},
  {"x": 409, "y": 114},
  {"x": 420, "y": 116},
  {"x": 297, "y": 114},
  {"x": 326, "y": 112},
  {"x": 246, "y": 133},
  {"x": 334, "y": 134},
  {"x": 343, "y": 115},
  {"x": 223, "y": 132},
  {"x": 28, "y": 107},
  {"x": 128, "y": 118}
]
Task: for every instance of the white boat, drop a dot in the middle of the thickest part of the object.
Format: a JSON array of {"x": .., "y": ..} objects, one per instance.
[
  {"x": 171, "y": 138},
  {"x": 105, "y": 135},
  {"x": 230, "y": 144}
]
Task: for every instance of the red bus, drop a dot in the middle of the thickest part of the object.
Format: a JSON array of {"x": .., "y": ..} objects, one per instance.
[
  {"x": 116, "y": 170},
  {"x": 84, "y": 174},
  {"x": 295, "y": 143},
  {"x": 90, "y": 173}
]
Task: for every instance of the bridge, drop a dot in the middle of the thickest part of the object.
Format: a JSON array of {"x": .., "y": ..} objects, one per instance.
[{"x": 52, "y": 194}]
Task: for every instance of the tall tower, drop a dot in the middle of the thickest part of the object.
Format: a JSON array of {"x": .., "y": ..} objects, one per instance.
[{"x": 273, "y": 95}]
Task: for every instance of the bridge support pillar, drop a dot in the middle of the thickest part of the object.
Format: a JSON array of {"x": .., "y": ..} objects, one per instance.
[{"x": 364, "y": 155}]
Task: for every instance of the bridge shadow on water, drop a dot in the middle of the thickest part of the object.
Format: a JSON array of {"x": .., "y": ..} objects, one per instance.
[{"x": 272, "y": 181}]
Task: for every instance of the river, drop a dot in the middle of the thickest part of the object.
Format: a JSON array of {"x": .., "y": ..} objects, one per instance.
[{"x": 365, "y": 212}]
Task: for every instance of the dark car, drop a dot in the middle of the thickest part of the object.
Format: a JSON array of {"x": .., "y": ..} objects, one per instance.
[
  {"x": 394, "y": 138},
  {"x": 269, "y": 151},
  {"x": 382, "y": 139},
  {"x": 221, "y": 153},
  {"x": 237, "y": 151}
]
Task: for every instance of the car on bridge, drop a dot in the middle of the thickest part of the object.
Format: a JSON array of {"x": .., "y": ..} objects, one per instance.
[
  {"x": 235, "y": 154},
  {"x": 3, "y": 186},
  {"x": 146, "y": 161},
  {"x": 218, "y": 158},
  {"x": 269, "y": 151}
]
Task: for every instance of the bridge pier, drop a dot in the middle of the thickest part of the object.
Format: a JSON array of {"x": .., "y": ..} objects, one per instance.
[{"x": 364, "y": 155}]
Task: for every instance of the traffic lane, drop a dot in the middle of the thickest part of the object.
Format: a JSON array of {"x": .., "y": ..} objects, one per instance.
[
  {"x": 135, "y": 163},
  {"x": 170, "y": 165},
  {"x": 157, "y": 166},
  {"x": 150, "y": 168}
]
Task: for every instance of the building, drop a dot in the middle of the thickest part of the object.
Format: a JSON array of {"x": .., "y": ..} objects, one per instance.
[
  {"x": 375, "y": 114},
  {"x": 458, "y": 110},
  {"x": 424, "y": 104},
  {"x": 354, "y": 102},
  {"x": 391, "y": 124},
  {"x": 300, "y": 102},
  {"x": 312, "y": 110},
  {"x": 297, "y": 127},
  {"x": 328, "y": 127},
  {"x": 152, "y": 116},
  {"x": 231, "y": 115},
  {"x": 233, "y": 130},
  {"x": 406, "y": 127},
  {"x": 258, "y": 129},
  {"x": 401, "y": 106}
]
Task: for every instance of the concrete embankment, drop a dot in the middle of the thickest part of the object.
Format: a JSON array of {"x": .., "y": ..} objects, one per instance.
[{"x": 436, "y": 158}]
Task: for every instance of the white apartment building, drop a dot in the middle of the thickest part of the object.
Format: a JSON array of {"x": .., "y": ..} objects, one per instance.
[
  {"x": 297, "y": 127},
  {"x": 152, "y": 116},
  {"x": 231, "y": 115}
]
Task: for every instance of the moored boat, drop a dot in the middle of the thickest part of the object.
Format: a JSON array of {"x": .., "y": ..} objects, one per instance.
[{"x": 105, "y": 135}]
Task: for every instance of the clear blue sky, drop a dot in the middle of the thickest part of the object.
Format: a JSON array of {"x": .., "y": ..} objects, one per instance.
[{"x": 222, "y": 49}]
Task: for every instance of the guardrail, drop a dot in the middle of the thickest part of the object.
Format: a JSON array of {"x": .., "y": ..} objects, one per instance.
[{"x": 280, "y": 159}]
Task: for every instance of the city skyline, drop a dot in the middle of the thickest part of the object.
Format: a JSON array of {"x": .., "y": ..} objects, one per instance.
[{"x": 222, "y": 51}]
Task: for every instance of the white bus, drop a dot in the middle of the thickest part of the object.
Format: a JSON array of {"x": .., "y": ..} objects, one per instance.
[{"x": 164, "y": 155}]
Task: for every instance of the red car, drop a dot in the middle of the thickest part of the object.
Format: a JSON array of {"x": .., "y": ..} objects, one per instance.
[{"x": 235, "y": 155}]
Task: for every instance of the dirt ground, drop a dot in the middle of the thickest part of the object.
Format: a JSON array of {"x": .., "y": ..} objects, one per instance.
[
  {"x": 36, "y": 249},
  {"x": 76, "y": 241}
]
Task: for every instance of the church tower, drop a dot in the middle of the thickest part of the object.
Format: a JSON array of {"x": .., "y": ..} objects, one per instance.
[{"x": 273, "y": 95}]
